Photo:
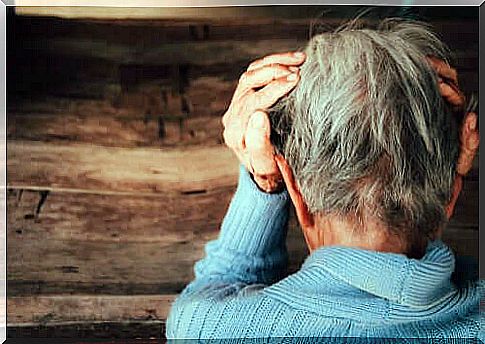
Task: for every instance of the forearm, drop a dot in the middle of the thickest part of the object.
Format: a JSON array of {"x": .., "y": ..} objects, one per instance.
[{"x": 251, "y": 245}]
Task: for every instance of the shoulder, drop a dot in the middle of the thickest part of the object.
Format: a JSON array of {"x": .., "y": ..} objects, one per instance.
[{"x": 219, "y": 310}]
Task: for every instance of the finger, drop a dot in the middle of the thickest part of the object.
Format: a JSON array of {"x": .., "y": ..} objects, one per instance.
[
  {"x": 258, "y": 145},
  {"x": 233, "y": 135},
  {"x": 455, "y": 193},
  {"x": 469, "y": 139},
  {"x": 443, "y": 69},
  {"x": 262, "y": 76},
  {"x": 265, "y": 98},
  {"x": 452, "y": 95},
  {"x": 289, "y": 59},
  {"x": 271, "y": 93}
]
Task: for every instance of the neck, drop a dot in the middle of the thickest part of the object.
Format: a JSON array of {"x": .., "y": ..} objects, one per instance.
[{"x": 335, "y": 231}]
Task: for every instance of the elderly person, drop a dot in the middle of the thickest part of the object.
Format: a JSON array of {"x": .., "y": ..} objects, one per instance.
[{"x": 367, "y": 134}]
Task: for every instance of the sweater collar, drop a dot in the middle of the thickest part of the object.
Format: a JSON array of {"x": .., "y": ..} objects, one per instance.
[
  {"x": 388, "y": 285},
  {"x": 395, "y": 277}
]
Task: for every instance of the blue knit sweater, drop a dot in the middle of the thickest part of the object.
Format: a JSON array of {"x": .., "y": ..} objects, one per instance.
[{"x": 240, "y": 290}]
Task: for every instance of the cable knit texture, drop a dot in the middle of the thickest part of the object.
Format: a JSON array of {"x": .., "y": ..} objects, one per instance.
[{"x": 339, "y": 293}]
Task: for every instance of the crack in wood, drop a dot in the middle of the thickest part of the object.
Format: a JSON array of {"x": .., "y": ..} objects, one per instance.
[
  {"x": 69, "y": 269},
  {"x": 43, "y": 198},
  {"x": 19, "y": 195},
  {"x": 194, "y": 192}
]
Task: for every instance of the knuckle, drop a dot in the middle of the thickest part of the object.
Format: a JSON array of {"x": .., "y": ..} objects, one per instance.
[
  {"x": 233, "y": 139},
  {"x": 243, "y": 77},
  {"x": 228, "y": 140},
  {"x": 255, "y": 63}
]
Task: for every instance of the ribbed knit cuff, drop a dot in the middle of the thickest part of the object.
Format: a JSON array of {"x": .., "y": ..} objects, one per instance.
[{"x": 255, "y": 223}]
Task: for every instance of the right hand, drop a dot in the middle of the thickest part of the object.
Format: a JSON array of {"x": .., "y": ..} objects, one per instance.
[
  {"x": 469, "y": 135},
  {"x": 246, "y": 123}
]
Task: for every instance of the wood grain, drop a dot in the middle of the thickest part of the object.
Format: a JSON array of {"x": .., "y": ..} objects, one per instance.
[
  {"x": 105, "y": 332},
  {"x": 108, "y": 169},
  {"x": 116, "y": 244},
  {"x": 69, "y": 309},
  {"x": 105, "y": 129},
  {"x": 58, "y": 309},
  {"x": 129, "y": 119},
  {"x": 262, "y": 24},
  {"x": 116, "y": 173},
  {"x": 119, "y": 244}
]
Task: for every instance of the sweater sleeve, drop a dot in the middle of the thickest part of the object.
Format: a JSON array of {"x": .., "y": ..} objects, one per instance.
[
  {"x": 249, "y": 254},
  {"x": 251, "y": 247}
]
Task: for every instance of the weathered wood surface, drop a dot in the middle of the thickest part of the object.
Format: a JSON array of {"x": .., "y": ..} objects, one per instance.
[
  {"x": 71, "y": 309},
  {"x": 117, "y": 176},
  {"x": 146, "y": 244},
  {"x": 154, "y": 32},
  {"x": 111, "y": 169},
  {"x": 117, "y": 244},
  {"x": 132, "y": 10},
  {"x": 144, "y": 83},
  {"x": 88, "y": 58},
  {"x": 74, "y": 309},
  {"x": 122, "y": 244},
  {"x": 127, "y": 332},
  {"x": 99, "y": 122},
  {"x": 137, "y": 170}
]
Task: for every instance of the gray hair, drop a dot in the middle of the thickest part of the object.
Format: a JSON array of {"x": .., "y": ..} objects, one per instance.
[{"x": 366, "y": 131}]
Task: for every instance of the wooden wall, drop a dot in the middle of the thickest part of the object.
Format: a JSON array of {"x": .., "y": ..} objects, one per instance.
[{"x": 117, "y": 175}]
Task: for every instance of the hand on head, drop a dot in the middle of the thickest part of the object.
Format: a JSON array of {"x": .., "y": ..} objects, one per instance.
[
  {"x": 247, "y": 126},
  {"x": 246, "y": 123},
  {"x": 469, "y": 136}
]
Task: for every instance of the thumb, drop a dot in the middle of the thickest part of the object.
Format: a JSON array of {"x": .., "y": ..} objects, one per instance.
[{"x": 259, "y": 149}]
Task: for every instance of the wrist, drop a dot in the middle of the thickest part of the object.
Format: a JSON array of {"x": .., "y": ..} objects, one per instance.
[{"x": 269, "y": 183}]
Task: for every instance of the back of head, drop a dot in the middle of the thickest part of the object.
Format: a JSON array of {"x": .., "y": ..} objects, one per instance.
[{"x": 366, "y": 131}]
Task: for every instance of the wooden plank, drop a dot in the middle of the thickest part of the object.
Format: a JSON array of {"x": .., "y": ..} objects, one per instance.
[
  {"x": 116, "y": 131},
  {"x": 146, "y": 33},
  {"x": 165, "y": 220},
  {"x": 136, "y": 118},
  {"x": 71, "y": 242},
  {"x": 261, "y": 25},
  {"x": 148, "y": 116},
  {"x": 35, "y": 310},
  {"x": 146, "y": 244},
  {"x": 127, "y": 332},
  {"x": 133, "y": 10},
  {"x": 129, "y": 170},
  {"x": 116, "y": 244},
  {"x": 47, "y": 266},
  {"x": 206, "y": 53},
  {"x": 150, "y": 171},
  {"x": 72, "y": 309}
]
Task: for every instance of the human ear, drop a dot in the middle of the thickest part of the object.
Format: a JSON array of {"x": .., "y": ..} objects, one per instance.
[{"x": 306, "y": 219}]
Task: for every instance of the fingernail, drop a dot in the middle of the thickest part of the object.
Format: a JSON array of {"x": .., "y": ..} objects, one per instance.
[
  {"x": 299, "y": 54},
  {"x": 257, "y": 120},
  {"x": 292, "y": 77},
  {"x": 294, "y": 69}
]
